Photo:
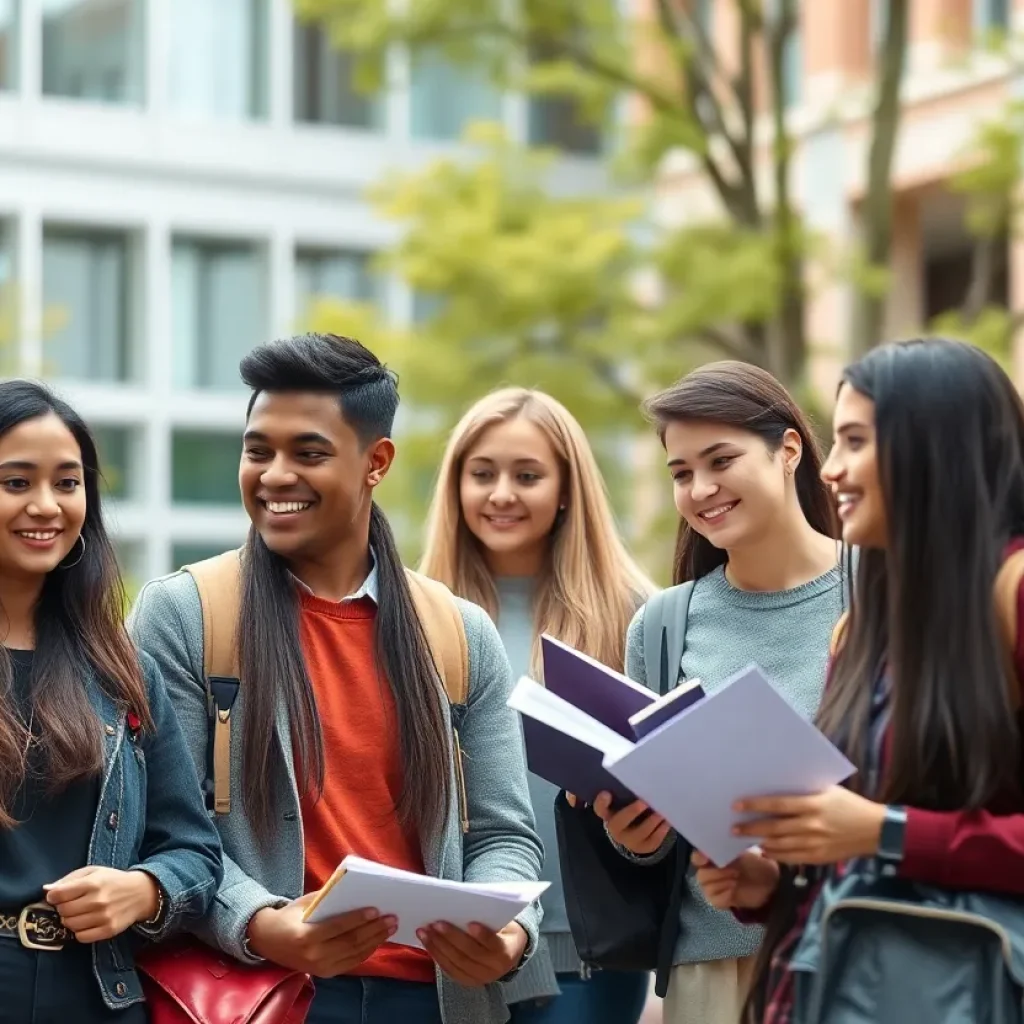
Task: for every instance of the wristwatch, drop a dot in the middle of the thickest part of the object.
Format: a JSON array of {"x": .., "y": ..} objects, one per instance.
[{"x": 893, "y": 837}]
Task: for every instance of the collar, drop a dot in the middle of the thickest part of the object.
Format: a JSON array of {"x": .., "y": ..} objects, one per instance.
[{"x": 369, "y": 587}]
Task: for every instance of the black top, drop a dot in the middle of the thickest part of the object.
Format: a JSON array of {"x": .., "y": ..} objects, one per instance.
[{"x": 54, "y": 831}]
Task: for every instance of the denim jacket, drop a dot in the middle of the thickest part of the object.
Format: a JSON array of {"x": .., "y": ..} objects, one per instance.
[{"x": 150, "y": 815}]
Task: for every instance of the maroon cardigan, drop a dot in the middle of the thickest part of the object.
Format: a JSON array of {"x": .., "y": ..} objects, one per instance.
[{"x": 970, "y": 849}]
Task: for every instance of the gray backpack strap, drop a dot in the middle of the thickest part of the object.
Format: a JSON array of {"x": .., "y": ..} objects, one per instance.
[{"x": 665, "y": 618}]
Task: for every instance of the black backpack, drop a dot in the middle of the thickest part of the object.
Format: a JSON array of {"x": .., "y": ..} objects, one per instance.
[{"x": 624, "y": 915}]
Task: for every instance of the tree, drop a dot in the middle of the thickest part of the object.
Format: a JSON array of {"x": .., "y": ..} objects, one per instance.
[
  {"x": 697, "y": 100},
  {"x": 990, "y": 182}
]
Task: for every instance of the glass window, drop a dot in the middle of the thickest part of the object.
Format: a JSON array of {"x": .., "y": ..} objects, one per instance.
[
  {"x": 8, "y": 44},
  {"x": 324, "y": 86},
  {"x": 217, "y": 314},
  {"x": 556, "y": 121},
  {"x": 92, "y": 49},
  {"x": 204, "y": 467},
  {"x": 793, "y": 68},
  {"x": 116, "y": 449},
  {"x": 86, "y": 292},
  {"x": 334, "y": 273},
  {"x": 446, "y": 98},
  {"x": 219, "y": 65},
  {"x": 992, "y": 15}
]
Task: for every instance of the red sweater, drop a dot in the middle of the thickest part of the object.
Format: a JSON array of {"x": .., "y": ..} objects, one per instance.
[{"x": 363, "y": 777}]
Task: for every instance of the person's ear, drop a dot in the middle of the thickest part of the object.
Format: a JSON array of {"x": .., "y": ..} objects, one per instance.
[
  {"x": 381, "y": 454},
  {"x": 791, "y": 451}
]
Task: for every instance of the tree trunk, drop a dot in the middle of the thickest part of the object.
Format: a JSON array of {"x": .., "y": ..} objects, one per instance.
[
  {"x": 787, "y": 343},
  {"x": 876, "y": 216}
]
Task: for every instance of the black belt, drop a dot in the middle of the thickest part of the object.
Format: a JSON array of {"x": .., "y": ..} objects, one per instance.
[{"x": 36, "y": 926}]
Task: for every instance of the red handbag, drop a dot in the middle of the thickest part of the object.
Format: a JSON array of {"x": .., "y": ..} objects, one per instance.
[{"x": 188, "y": 982}]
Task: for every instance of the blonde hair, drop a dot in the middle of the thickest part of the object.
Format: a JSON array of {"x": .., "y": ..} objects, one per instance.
[{"x": 591, "y": 586}]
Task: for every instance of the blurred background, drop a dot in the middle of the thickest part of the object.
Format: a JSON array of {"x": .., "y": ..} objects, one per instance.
[{"x": 589, "y": 196}]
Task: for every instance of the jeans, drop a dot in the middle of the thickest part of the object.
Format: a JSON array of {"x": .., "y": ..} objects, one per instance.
[
  {"x": 349, "y": 1000},
  {"x": 55, "y": 988},
  {"x": 607, "y": 997}
]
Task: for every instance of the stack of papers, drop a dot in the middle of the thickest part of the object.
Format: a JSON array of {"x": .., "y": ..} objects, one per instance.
[
  {"x": 418, "y": 900},
  {"x": 743, "y": 740}
]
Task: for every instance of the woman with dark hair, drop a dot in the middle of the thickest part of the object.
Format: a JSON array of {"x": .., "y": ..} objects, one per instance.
[
  {"x": 927, "y": 467},
  {"x": 757, "y": 538},
  {"x": 102, "y": 825}
]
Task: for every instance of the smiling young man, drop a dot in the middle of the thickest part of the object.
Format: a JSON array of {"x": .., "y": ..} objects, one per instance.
[{"x": 344, "y": 740}]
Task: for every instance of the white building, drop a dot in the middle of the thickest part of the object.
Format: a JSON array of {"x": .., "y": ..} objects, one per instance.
[{"x": 177, "y": 177}]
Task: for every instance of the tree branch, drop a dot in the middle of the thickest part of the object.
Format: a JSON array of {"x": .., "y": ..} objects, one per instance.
[
  {"x": 876, "y": 215},
  {"x": 731, "y": 345},
  {"x": 699, "y": 81},
  {"x": 983, "y": 268}
]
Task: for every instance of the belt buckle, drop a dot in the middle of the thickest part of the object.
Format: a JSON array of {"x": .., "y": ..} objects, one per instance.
[{"x": 43, "y": 922}]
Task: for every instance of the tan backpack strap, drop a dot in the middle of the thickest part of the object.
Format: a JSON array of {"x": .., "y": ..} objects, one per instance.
[
  {"x": 838, "y": 634},
  {"x": 446, "y": 633},
  {"x": 219, "y": 582}
]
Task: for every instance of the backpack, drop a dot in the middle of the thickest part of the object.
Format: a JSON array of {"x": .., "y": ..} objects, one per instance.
[
  {"x": 665, "y": 618},
  {"x": 219, "y": 582},
  {"x": 884, "y": 949}
]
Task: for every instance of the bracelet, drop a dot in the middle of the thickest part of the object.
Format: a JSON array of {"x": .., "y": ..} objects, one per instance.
[{"x": 155, "y": 919}]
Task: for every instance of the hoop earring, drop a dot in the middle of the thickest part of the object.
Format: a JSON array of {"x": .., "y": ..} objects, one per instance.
[{"x": 71, "y": 565}]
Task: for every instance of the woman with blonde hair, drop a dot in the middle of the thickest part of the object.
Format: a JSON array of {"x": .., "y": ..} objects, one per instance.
[{"x": 521, "y": 524}]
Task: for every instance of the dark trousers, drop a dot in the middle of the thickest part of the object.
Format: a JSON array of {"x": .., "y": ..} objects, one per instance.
[
  {"x": 606, "y": 997},
  {"x": 374, "y": 1001},
  {"x": 55, "y": 988}
]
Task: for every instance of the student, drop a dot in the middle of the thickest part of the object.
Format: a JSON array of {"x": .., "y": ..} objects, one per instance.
[
  {"x": 927, "y": 467},
  {"x": 102, "y": 826},
  {"x": 344, "y": 740},
  {"x": 757, "y": 534},
  {"x": 521, "y": 525}
]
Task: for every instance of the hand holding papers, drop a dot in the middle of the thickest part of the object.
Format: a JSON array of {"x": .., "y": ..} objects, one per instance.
[
  {"x": 418, "y": 901},
  {"x": 743, "y": 740}
]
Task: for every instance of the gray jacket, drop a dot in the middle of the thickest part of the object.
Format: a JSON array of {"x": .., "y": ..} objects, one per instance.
[{"x": 501, "y": 845}]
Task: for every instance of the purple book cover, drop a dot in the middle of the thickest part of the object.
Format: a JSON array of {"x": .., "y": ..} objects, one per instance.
[
  {"x": 604, "y": 694},
  {"x": 667, "y": 708},
  {"x": 569, "y": 764}
]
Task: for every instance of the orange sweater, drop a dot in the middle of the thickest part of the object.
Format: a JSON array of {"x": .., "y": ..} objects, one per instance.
[{"x": 363, "y": 778}]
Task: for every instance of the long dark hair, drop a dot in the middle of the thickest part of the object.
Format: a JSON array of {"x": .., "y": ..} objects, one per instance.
[
  {"x": 746, "y": 397},
  {"x": 949, "y": 435},
  {"x": 270, "y": 658},
  {"x": 949, "y": 431},
  {"x": 79, "y": 628}
]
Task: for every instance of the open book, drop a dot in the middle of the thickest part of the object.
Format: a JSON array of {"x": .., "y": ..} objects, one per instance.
[
  {"x": 745, "y": 739},
  {"x": 602, "y": 696},
  {"x": 419, "y": 900}
]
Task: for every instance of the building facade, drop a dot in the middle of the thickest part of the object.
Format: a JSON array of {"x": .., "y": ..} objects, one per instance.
[
  {"x": 953, "y": 82},
  {"x": 177, "y": 179}
]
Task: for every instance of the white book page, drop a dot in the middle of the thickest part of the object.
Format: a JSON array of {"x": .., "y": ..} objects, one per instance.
[{"x": 532, "y": 699}]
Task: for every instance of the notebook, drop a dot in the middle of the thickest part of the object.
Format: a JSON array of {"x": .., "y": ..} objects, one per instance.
[
  {"x": 419, "y": 900},
  {"x": 745, "y": 739}
]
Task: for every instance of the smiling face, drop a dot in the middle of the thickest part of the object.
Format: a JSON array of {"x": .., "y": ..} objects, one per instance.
[
  {"x": 728, "y": 486},
  {"x": 851, "y": 470},
  {"x": 42, "y": 497},
  {"x": 510, "y": 489},
  {"x": 307, "y": 480}
]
